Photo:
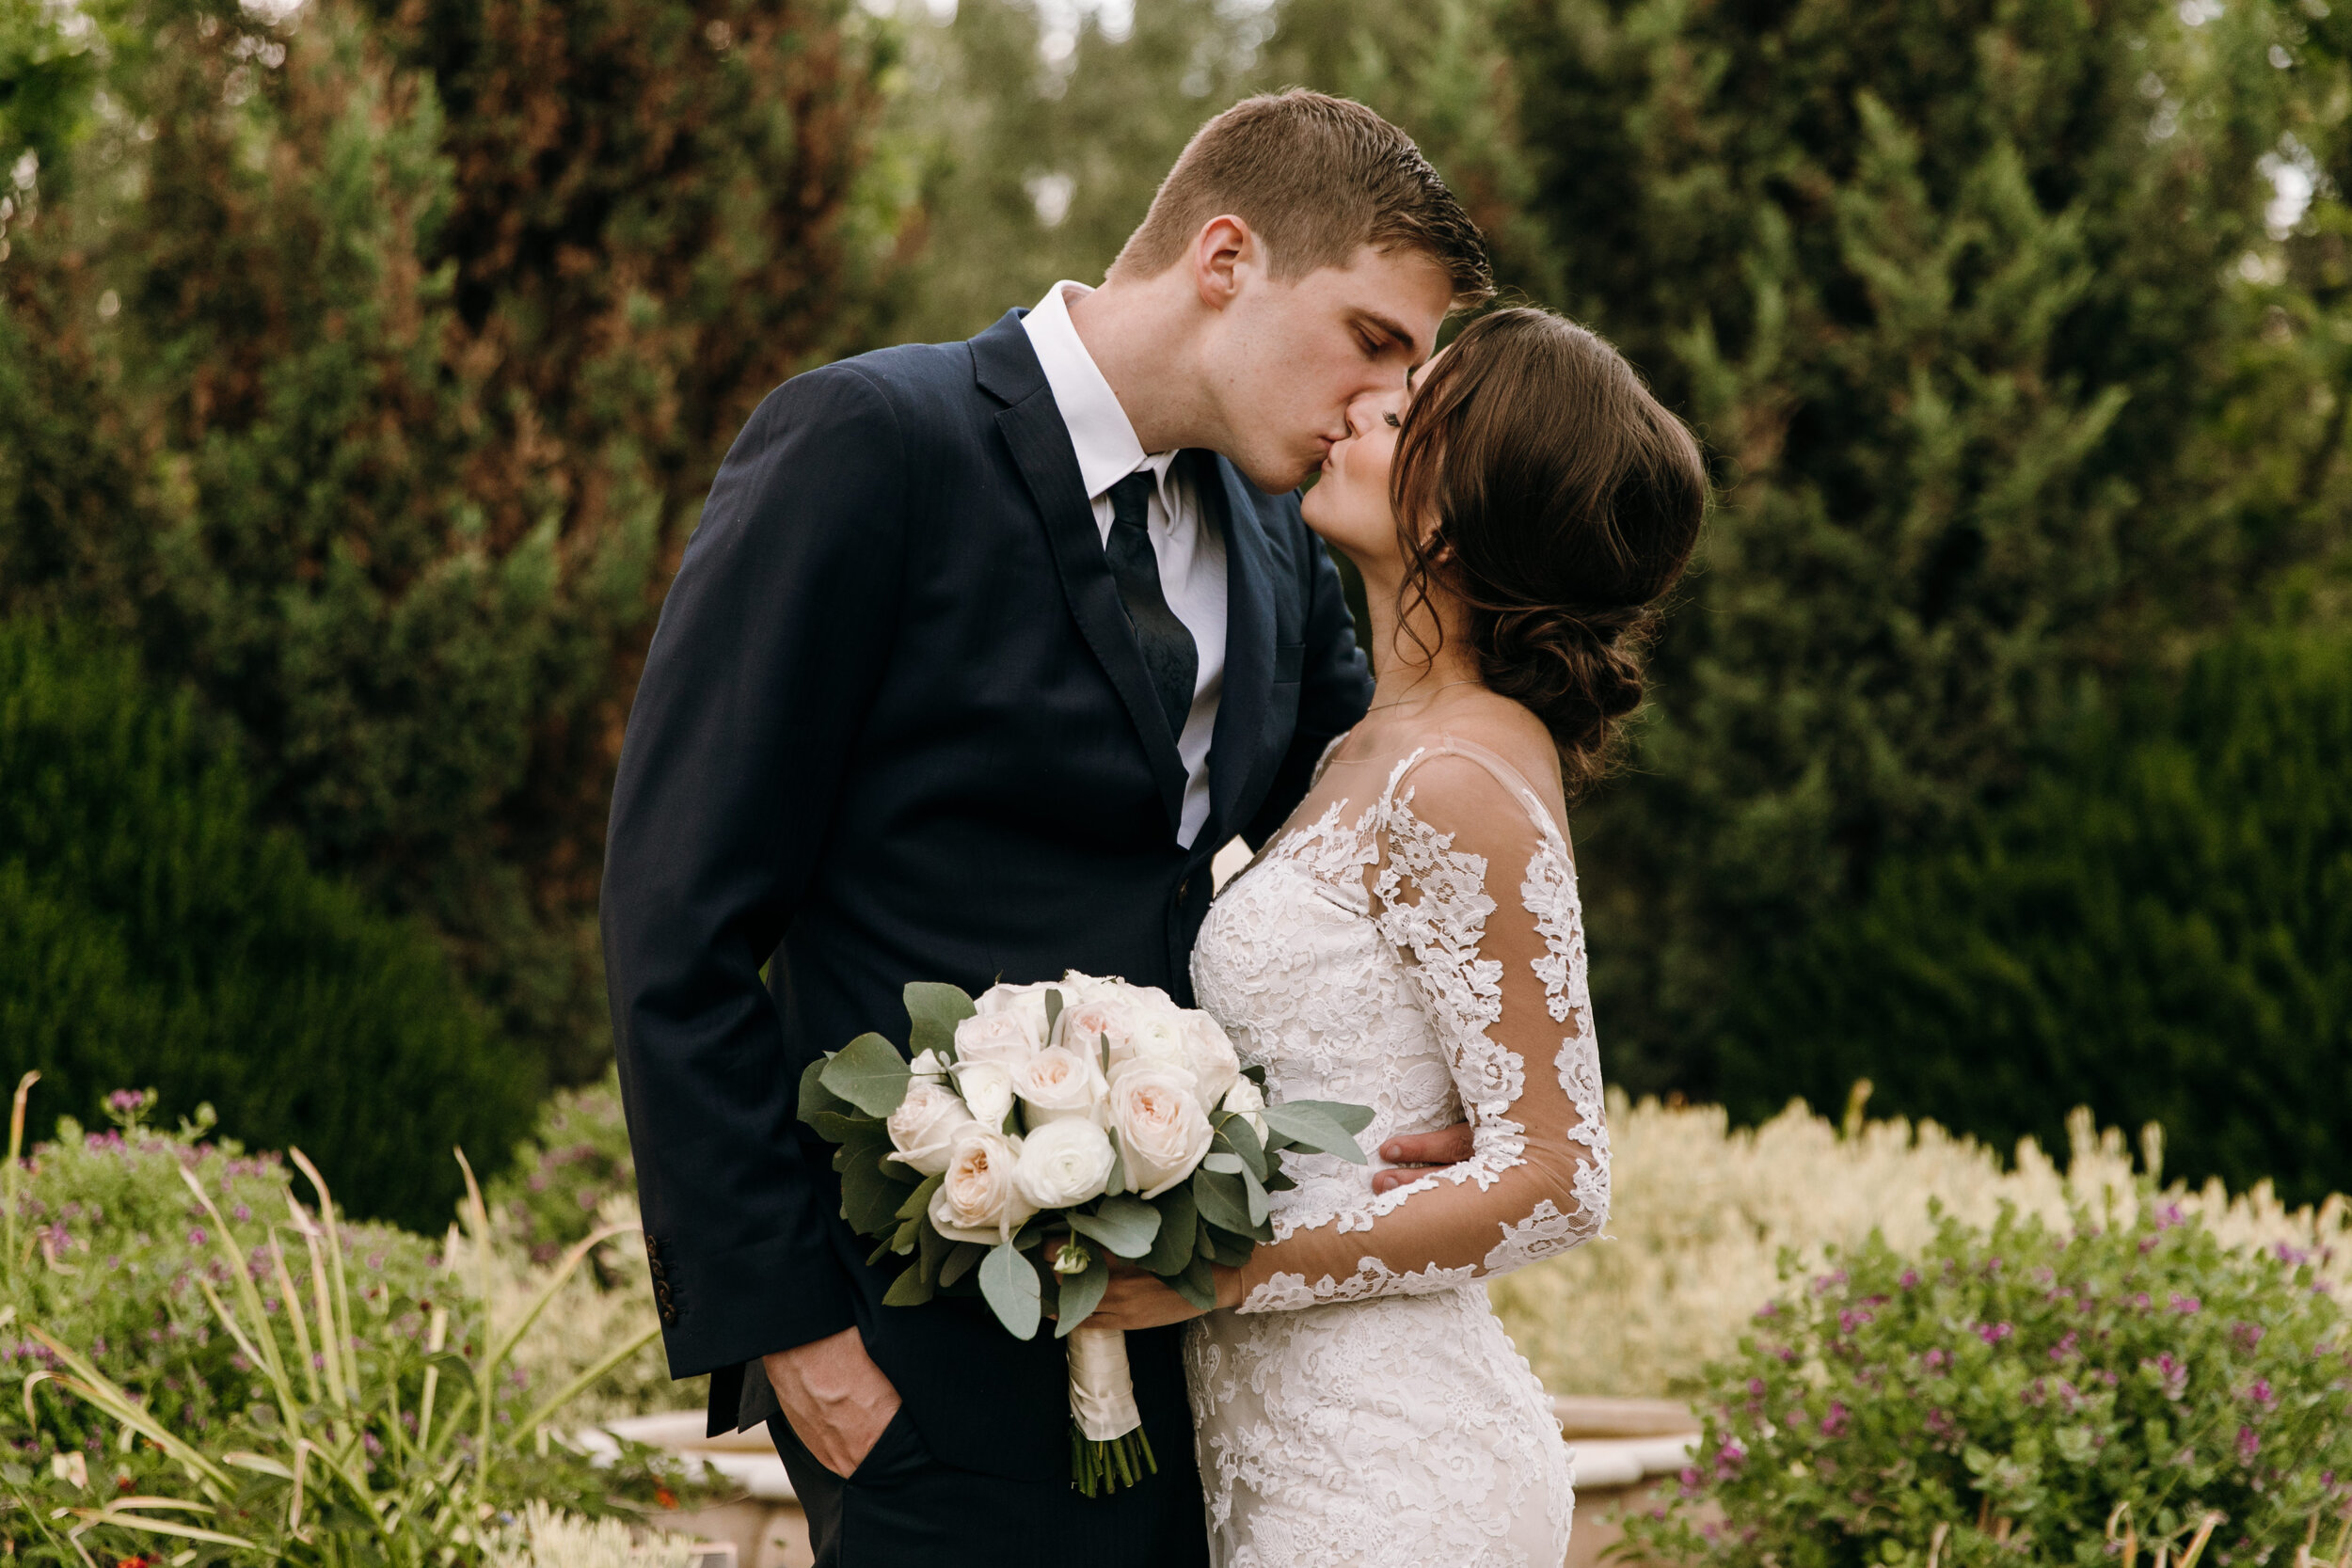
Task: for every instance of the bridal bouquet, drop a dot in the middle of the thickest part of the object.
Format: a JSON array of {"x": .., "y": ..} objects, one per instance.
[{"x": 1038, "y": 1133}]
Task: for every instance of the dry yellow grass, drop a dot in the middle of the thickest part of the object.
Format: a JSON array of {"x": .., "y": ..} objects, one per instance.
[{"x": 1701, "y": 1213}]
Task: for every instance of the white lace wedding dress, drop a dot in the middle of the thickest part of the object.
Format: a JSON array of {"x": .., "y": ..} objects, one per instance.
[{"x": 1412, "y": 941}]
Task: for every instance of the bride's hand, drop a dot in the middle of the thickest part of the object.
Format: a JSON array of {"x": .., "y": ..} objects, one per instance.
[{"x": 1136, "y": 1299}]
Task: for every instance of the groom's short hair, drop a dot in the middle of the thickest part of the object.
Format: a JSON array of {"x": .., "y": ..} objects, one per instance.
[{"x": 1317, "y": 177}]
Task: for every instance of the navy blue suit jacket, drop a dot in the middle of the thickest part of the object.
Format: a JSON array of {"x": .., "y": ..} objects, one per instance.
[{"x": 894, "y": 725}]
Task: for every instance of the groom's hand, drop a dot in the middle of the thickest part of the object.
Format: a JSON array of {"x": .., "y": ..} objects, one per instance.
[
  {"x": 1416, "y": 1151},
  {"x": 836, "y": 1399}
]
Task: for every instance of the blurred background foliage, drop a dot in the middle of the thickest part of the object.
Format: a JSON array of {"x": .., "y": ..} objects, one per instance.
[{"x": 362, "y": 365}]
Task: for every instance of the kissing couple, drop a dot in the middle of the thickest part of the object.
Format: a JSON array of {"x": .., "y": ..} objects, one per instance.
[{"x": 979, "y": 654}]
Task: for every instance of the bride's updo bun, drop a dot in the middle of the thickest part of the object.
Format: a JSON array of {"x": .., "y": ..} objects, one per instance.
[{"x": 1538, "y": 482}]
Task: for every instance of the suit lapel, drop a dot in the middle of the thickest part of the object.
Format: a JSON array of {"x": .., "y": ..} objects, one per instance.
[
  {"x": 1239, "y": 751},
  {"x": 1006, "y": 367}
]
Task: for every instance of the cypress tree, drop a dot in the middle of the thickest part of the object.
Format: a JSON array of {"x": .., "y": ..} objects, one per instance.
[
  {"x": 373, "y": 367},
  {"x": 158, "y": 937},
  {"x": 2159, "y": 926},
  {"x": 1958, "y": 296}
]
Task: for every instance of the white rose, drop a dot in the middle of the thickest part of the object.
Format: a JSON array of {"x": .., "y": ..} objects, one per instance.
[
  {"x": 1084, "y": 1026},
  {"x": 928, "y": 1063},
  {"x": 1155, "y": 1036},
  {"x": 924, "y": 1126},
  {"x": 1006, "y": 1036},
  {"x": 1058, "y": 1084},
  {"x": 987, "y": 1089},
  {"x": 1064, "y": 1162},
  {"x": 976, "y": 1200},
  {"x": 1210, "y": 1055},
  {"x": 1076, "y": 988},
  {"x": 1161, "y": 1127},
  {"x": 1246, "y": 1101}
]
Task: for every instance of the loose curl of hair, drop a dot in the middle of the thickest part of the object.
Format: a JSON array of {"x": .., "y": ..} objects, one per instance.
[{"x": 1539, "y": 484}]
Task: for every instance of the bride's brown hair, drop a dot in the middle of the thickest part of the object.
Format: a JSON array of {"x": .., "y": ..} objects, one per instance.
[{"x": 1538, "y": 482}]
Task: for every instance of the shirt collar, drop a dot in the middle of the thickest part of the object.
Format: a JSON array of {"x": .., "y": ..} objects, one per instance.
[{"x": 1099, "y": 427}]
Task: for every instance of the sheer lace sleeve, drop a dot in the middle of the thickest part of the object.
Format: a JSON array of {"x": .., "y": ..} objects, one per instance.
[{"x": 1473, "y": 886}]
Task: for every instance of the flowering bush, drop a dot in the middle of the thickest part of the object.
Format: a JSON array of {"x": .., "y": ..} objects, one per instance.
[
  {"x": 106, "y": 1248},
  {"x": 2028, "y": 1394},
  {"x": 186, "y": 1326},
  {"x": 1704, "y": 1212},
  {"x": 574, "y": 1163}
]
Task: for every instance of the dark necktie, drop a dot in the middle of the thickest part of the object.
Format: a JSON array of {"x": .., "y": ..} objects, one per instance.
[{"x": 1168, "y": 653}]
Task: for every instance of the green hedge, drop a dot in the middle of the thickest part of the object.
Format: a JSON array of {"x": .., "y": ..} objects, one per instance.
[
  {"x": 2159, "y": 926},
  {"x": 156, "y": 937}
]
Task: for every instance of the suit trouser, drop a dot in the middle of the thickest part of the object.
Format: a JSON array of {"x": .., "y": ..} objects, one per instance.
[{"x": 904, "y": 1508}]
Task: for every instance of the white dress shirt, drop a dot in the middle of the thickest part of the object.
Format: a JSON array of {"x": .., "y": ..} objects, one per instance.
[{"x": 1191, "y": 557}]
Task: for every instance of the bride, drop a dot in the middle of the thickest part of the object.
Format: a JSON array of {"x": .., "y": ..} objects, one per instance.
[{"x": 1412, "y": 940}]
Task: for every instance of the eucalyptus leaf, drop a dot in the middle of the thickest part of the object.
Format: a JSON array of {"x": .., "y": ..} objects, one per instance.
[
  {"x": 1220, "y": 1246},
  {"x": 870, "y": 1074},
  {"x": 933, "y": 1010},
  {"x": 1310, "y": 1124},
  {"x": 814, "y": 1096},
  {"x": 909, "y": 1290},
  {"x": 920, "y": 1198},
  {"x": 1008, "y": 1281},
  {"x": 1172, "y": 1245},
  {"x": 1053, "y": 1008},
  {"x": 1256, "y": 1191},
  {"x": 1237, "y": 1132},
  {"x": 960, "y": 1257},
  {"x": 841, "y": 1127},
  {"x": 1126, "y": 1226},
  {"x": 1196, "y": 1285},
  {"x": 1080, "y": 1292},
  {"x": 1221, "y": 1200},
  {"x": 934, "y": 1250},
  {"x": 870, "y": 1200},
  {"x": 1224, "y": 1165}
]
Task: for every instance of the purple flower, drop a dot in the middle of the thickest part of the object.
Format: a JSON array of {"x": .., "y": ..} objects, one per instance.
[
  {"x": 1936, "y": 1359},
  {"x": 2186, "y": 1304},
  {"x": 1993, "y": 1334},
  {"x": 1834, "y": 1423},
  {"x": 1910, "y": 1280},
  {"x": 1729, "y": 1458},
  {"x": 2259, "y": 1392},
  {"x": 1942, "y": 1427},
  {"x": 2064, "y": 1348},
  {"x": 2168, "y": 1215},
  {"x": 2171, "y": 1375},
  {"x": 1829, "y": 1281},
  {"x": 1851, "y": 1319},
  {"x": 196, "y": 1236},
  {"x": 2291, "y": 1256},
  {"x": 2249, "y": 1445},
  {"x": 2246, "y": 1336}
]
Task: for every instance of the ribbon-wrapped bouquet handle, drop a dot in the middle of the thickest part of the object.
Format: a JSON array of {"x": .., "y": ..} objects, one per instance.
[{"x": 1030, "y": 1137}]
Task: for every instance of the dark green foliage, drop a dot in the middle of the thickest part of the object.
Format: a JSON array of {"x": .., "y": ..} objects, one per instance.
[
  {"x": 2026, "y": 1397},
  {"x": 1958, "y": 297},
  {"x": 382, "y": 424},
  {"x": 157, "y": 935},
  {"x": 2160, "y": 927}
]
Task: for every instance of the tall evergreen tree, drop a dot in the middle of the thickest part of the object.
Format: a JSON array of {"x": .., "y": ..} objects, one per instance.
[
  {"x": 385, "y": 425},
  {"x": 1956, "y": 292}
]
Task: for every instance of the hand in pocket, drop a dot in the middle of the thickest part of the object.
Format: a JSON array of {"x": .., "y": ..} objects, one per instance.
[{"x": 837, "y": 1401}]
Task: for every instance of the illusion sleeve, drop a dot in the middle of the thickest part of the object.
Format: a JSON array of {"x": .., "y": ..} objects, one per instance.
[{"x": 1475, "y": 888}]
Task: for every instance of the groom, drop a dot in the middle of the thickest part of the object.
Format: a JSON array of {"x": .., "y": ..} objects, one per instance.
[{"x": 979, "y": 653}]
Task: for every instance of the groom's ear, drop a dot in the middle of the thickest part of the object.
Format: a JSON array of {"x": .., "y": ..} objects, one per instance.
[{"x": 1222, "y": 252}]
